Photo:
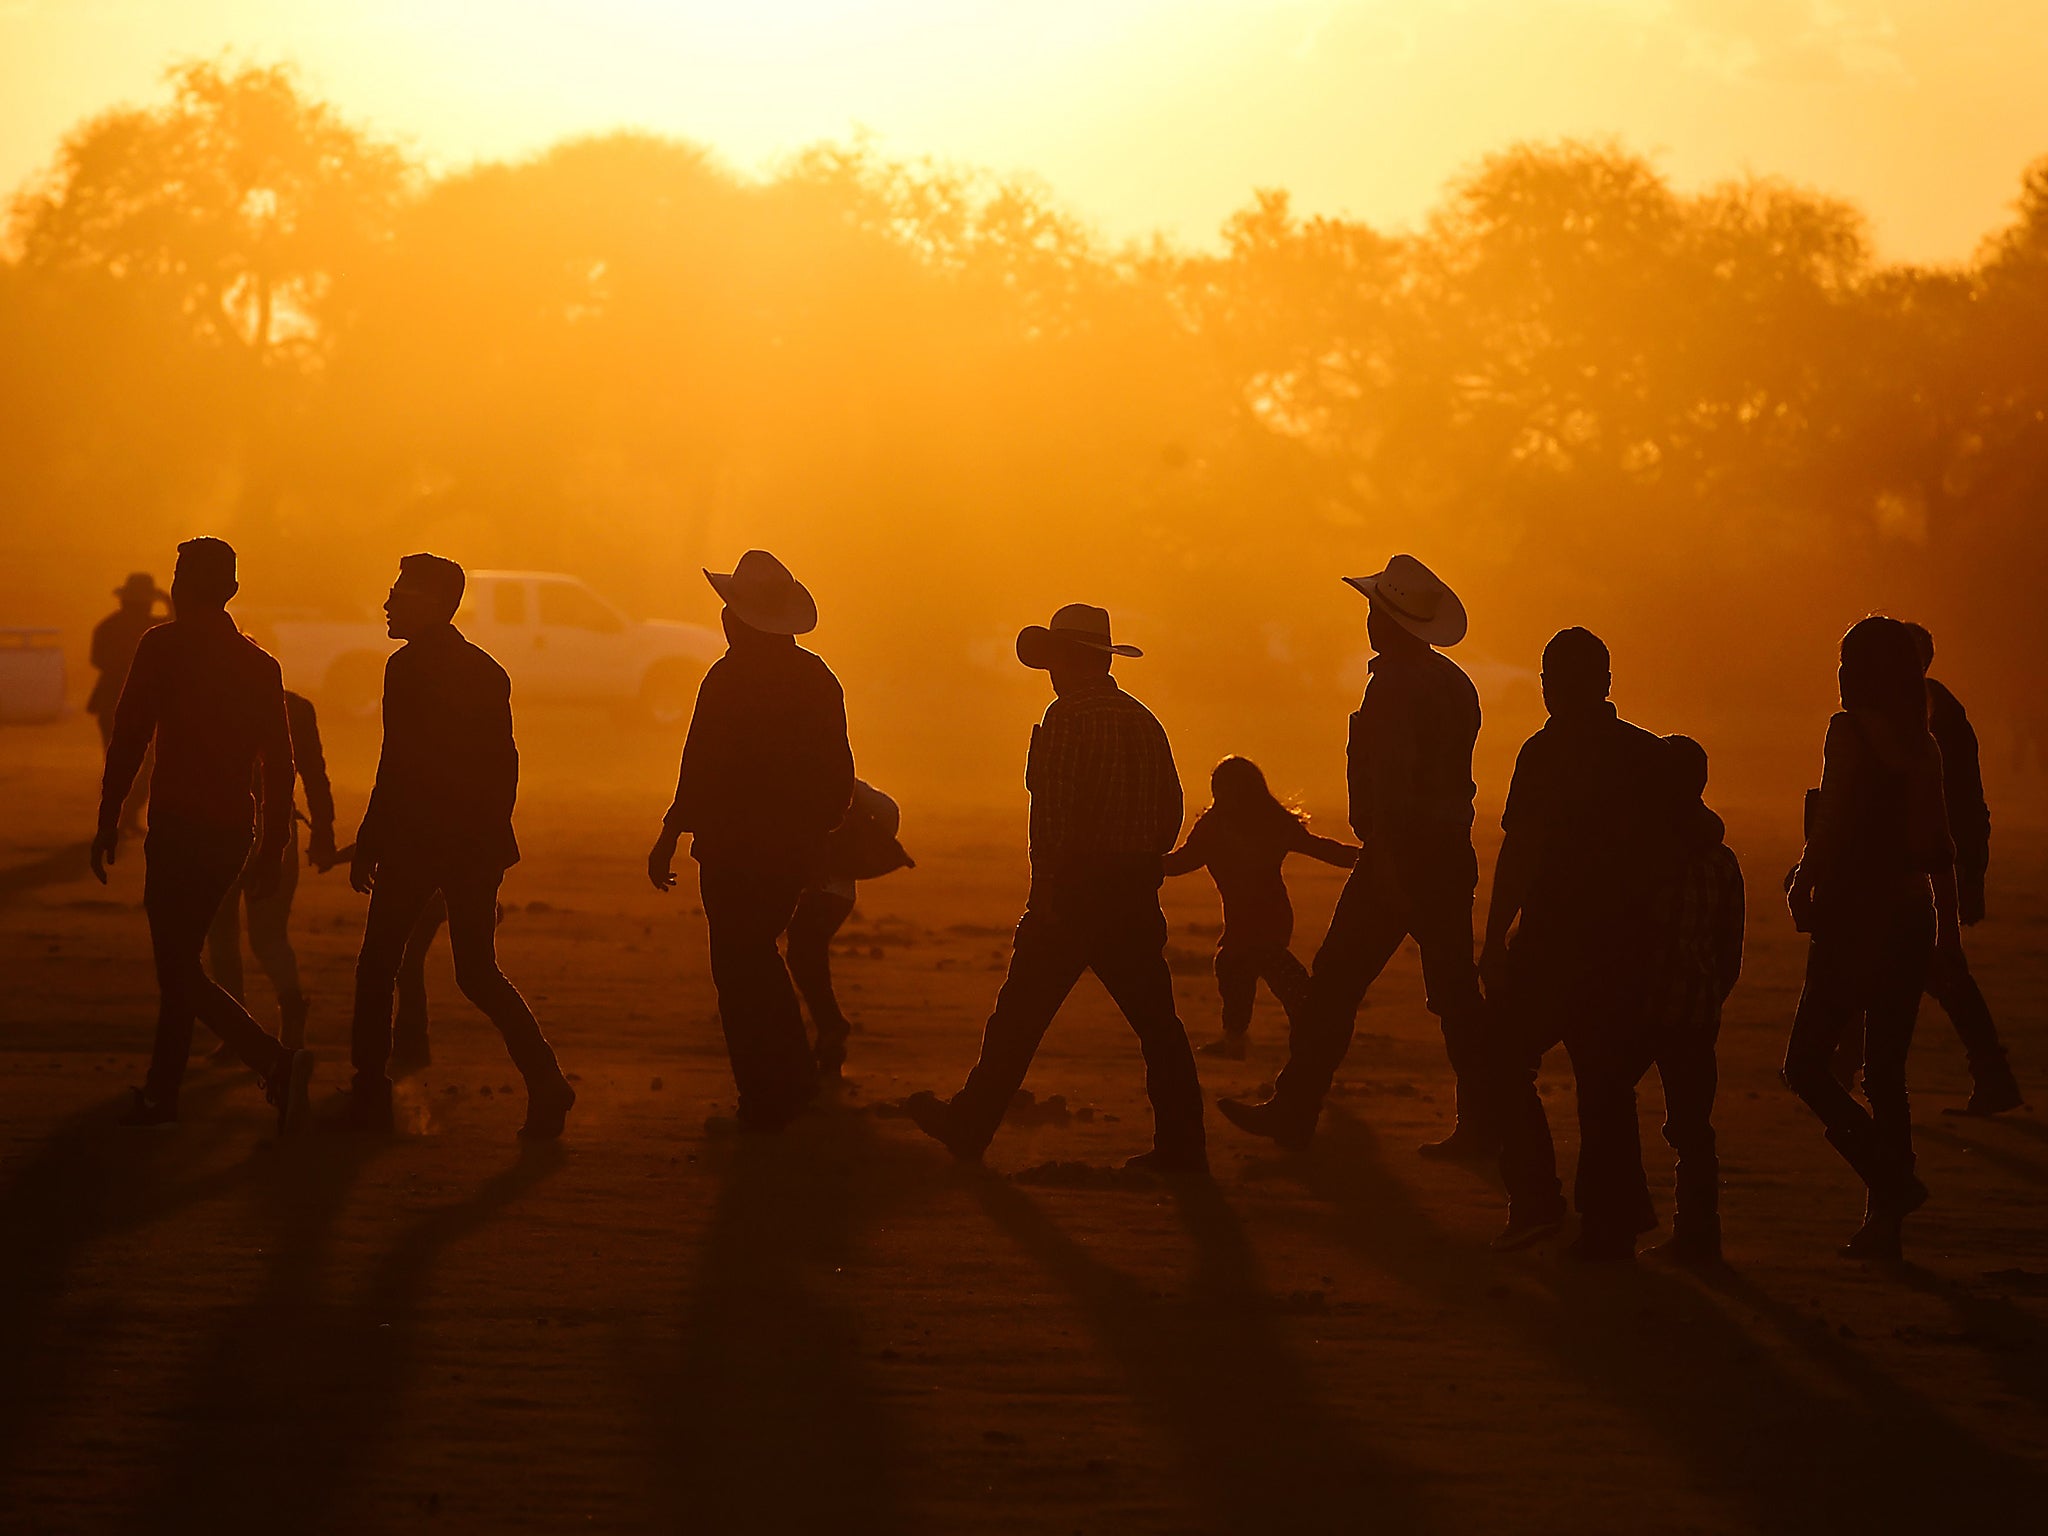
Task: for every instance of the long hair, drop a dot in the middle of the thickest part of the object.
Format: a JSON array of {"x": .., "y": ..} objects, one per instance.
[
  {"x": 1881, "y": 672},
  {"x": 1239, "y": 789}
]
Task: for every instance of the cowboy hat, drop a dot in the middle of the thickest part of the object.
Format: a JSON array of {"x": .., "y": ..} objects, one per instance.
[
  {"x": 1076, "y": 624},
  {"x": 140, "y": 584},
  {"x": 764, "y": 596},
  {"x": 1413, "y": 596}
]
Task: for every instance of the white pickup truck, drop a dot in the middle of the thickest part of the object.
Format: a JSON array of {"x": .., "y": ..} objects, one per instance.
[{"x": 559, "y": 640}]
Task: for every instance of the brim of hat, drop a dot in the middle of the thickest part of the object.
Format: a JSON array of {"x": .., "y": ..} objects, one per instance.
[
  {"x": 1447, "y": 628},
  {"x": 1038, "y": 647},
  {"x": 789, "y": 612}
]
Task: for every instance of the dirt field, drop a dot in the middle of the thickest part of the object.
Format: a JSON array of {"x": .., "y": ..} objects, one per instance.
[{"x": 654, "y": 1328}]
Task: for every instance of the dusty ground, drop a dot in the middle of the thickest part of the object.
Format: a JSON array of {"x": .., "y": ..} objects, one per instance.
[{"x": 652, "y": 1328}]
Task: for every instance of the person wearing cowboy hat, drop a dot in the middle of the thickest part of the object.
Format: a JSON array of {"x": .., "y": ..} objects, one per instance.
[
  {"x": 440, "y": 820},
  {"x": 766, "y": 775},
  {"x": 114, "y": 640},
  {"x": 1410, "y": 779},
  {"x": 1105, "y": 810}
]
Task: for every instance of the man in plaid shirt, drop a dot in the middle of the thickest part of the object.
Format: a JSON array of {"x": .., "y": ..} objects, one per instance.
[
  {"x": 1105, "y": 809},
  {"x": 1699, "y": 914}
]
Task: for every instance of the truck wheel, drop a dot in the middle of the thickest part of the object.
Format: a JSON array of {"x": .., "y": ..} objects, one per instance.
[
  {"x": 355, "y": 686},
  {"x": 668, "y": 693}
]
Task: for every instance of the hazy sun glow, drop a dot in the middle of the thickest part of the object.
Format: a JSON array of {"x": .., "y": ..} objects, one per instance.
[{"x": 1142, "y": 114}]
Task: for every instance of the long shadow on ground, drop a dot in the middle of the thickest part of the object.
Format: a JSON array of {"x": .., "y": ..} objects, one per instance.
[
  {"x": 1253, "y": 1437},
  {"x": 1720, "y": 1398},
  {"x": 766, "y": 1418},
  {"x": 289, "y": 1405}
]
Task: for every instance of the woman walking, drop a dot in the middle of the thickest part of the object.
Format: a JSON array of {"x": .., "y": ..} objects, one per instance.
[{"x": 1876, "y": 890}]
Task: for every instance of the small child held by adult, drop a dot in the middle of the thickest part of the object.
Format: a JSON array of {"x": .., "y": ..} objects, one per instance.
[
  {"x": 1699, "y": 924},
  {"x": 1242, "y": 840}
]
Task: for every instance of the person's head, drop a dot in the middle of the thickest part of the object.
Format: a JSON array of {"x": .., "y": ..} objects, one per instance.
[
  {"x": 139, "y": 593},
  {"x": 1387, "y": 633},
  {"x": 1686, "y": 762},
  {"x": 425, "y": 596},
  {"x": 1075, "y": 648},
  {"x": 1923, "y": 643},
  {"x": 1238, "y": 787},
  {"x": 1577, "y": 671},
  {"x": 205, "y": 578},
  {"x": 1881, "y": 671}
]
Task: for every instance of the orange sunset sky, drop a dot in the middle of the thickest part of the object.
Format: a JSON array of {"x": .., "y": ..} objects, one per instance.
[{"x": 1143, "y": 115}]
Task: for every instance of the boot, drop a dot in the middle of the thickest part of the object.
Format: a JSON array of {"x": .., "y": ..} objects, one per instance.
[
  {"x": 292, "y": 1008},
  {"x": 1882, "y": 1235},
  {"x": 1275, "y": 1119},
  {"x": 1994, "y": 1089}
]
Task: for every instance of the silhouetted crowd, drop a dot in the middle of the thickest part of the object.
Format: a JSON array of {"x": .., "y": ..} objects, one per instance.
[{"x": 1614, "y": 927}]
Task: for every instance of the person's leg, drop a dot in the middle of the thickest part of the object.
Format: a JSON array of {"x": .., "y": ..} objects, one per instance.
[
  {"x": 1689, "y": 1073},
  {"x": 1833, "y": 997},
  {"x": 270, "y": 919},
  {"x": 1047, "y": 957},
  {"x": 1128, "y": 954},
  {"x": 1899, "y": 968},
  {"x": 1368, "y": 925},
  {"x": 1611, "y": 1190},
  {"x": 1237, "y": 984},
  {"x": 396, "y": 901},
  {"x": 1522, "y": 1023},
  {"x": 409, "y": 1047},
  {"x": 1443, "y": 930},
  {"x": 818, "y": 917},
  {"x": 473, "y": 942},
  {"x": 224, "y": 945},
  {"x": 746, "y": 912},
  {"x": 1287, "y": 978},
  {"x": 1950, "y": 984}
]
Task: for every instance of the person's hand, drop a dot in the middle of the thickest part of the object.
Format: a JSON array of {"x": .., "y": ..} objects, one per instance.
[
  {"x": 261, "y": 878},
  {"x": 1493, "y": 967},
  {"x": 362, "y": 870},
  {"x": 104, "y": 842},
  {"x": 1948, "y": 949},
  {"x": 1799, "y": 895},
  {"x": 1970, "y": 900},
  {"x": 320, "y": 849},
  {"x": 661, "y": 860}
]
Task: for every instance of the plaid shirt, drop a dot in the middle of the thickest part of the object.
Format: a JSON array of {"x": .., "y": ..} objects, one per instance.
[
  {"x": 1700, "y": 922},
  {"x": 1102, "y": 781}
]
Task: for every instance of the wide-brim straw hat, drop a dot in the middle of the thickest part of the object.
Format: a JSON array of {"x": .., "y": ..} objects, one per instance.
[
  {"x": 1076, "y": 624},
  {"x": 140, "y": 584},
  {"x": 763, "y": 595},
  {"x": 1417, "y": 599}
]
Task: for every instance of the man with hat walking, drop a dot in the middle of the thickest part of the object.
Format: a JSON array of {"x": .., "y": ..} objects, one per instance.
[
  {"x": 766, "y": 775},
  {"x": 114, "y": 640},
  {"x": 1409, "y": 764},
  {"x": 1105, "y": 810},
  {"x": 440, "y": 819}
]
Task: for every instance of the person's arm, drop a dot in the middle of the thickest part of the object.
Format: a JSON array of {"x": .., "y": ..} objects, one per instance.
[
  {"x": 694, "y": 775},
  {"x": 1733, "y": 921},
  {"x": 1172, "y": 806},
  {"x": 275, "y": 743},
  {"x": 1827, "y": 837},
  {"x": 1358, "y": 774},
  {"x": 1969, "y": 817},
  {"x": 1327, "y": 849},
  {"x": 370, "y": 834},
  {"x": 502, "y": 754},
  {"x": 311, "y": 760},
  {"x": 833, "y": 767},
  {"x": 1192, "y": 854},
  {"x": 135, "y": 718},
  {"x": 1524, "y": 821}
]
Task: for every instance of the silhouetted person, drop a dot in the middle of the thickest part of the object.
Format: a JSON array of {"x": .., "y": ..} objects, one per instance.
[
  {"x": 1699, "y": 926},
  {"x": 1105, "y": 809},
  {"x": 1410, "y": 772},
  {"x": 440, "y": 820},
  {"x": 862, "y": 847},
  {"x": 114, "y": 640},
  {"x": 767, "y": 773},
  {"x": 1876, "y": 889},
  {"x": 1242, "y": 840},
  {"x": 213, "y": 703},
  {"x": 1587, "y": 842},
  {"x": 270, "y": 913}
]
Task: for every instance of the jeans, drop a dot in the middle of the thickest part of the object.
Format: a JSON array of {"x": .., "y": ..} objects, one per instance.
[
  {"x": 403, "y": 891},
  {"x": 269, "y": 933},
  {"x": 1109, "y": 923},
  {"x": 1868, "y": 964},
  {"x": 1373, "y": 915},
  {"x": 747, "y": 908},
  {"x": 1687, "y": 1067},
  {"x": 817, "y": 918},
  {"x": 189, "y": 871},
  {"x": 1239, "y": 970}
]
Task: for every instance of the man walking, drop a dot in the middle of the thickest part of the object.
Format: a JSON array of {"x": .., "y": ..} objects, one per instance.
[
  {"x": 440, "y": 819},
  {"x": 212, "y": 701},
  {"x": 1588, "y": 844},
  {"x": 270, "y": 914},
  {"x": 766, "y": 775},
  {"x": 1410, "y": 777},
  {"x": 114, "y": 640},
  {"x": 1105, "y": 810}
]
